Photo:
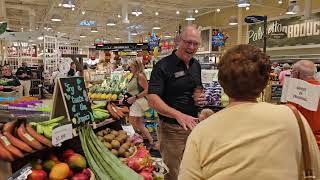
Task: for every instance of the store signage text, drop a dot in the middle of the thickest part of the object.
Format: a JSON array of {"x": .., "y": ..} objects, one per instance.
[
  {"x": 301, "y": 92},
  {"x": 88, "y": 23},
  {"x": 293, "y": 31},
  {"x": 76, "y": 99},
  {"x": 307, "y": 28}
]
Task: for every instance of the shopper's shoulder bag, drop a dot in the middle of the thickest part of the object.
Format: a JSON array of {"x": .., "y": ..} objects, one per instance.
[{"x": 308, "y": 170}]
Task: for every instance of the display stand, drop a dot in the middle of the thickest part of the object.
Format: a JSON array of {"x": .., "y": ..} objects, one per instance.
[{"x": 50, "y": 54}]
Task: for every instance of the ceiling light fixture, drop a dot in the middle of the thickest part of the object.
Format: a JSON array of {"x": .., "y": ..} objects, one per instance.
[
  {"x": 218, "y": 10},
  {"x": 117, "y": 38},
  {"x": 156, "y": 13},
  {"x": 134, "y": 33},
  {"x": 73, "y": 9},
  {"x": 233, "y": 21},
  {"x": 177, "y": 12},
  {"x": 190, "y": 18},
  {"x": 119, "y": 16},
  {"x": 59, "y": 4},
  {"x": 56, "y": 18},
  {"x": 110, "y": 22},
  {"x": 94, "y": 29},
  {"x": 82, "y": 35},
  {"x": 136, "y": 12},
  {"x": 243, "y": 3},
  {"x": 293, "y": 8},
  {"x": 247, "y": 8},
  {"x": 49, "y": 27},
  {"x": 280, "y": 2},
  {"x": 83, "y": 12},
  {"x": 68, "y": 3},
  {"x": 196, "y": 11},
  {"x": 40, "y": 38},
  {"x": 156, "y": 26}
]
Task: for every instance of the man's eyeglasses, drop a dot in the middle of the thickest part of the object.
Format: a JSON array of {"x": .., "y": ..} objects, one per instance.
[{"x": 189, "y": 43}]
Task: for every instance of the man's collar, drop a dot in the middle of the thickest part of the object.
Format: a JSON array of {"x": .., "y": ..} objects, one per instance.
[{"x": 179, "y": 60}]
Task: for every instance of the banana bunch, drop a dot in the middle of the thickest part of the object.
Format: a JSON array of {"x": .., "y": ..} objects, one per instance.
[
  {"x": 100, "y": 114},
  {"x": 45, "y": 128}
]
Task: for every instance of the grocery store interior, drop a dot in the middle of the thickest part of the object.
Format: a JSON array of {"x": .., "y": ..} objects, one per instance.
[{"x": 66, "y": 109}]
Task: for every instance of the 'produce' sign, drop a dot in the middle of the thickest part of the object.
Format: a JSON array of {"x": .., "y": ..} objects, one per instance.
[
  {"x": 76, "y": 99},
  {"x": 297, "y": 30}
]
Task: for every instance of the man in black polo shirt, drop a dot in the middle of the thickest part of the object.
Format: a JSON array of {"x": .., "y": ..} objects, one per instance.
[
  {"x": 24, "y": 74},
  {"x": 171, "y": 93}
]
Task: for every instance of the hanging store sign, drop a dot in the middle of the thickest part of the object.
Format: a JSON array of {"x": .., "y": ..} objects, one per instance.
[
  {"x": 88, "y": 23},
  {"x": 298, "y": 32},
  {"x": 123, "y": 46}
]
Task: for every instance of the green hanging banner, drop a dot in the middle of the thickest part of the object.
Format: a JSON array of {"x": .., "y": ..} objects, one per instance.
[{"x": 3, "y": 27}]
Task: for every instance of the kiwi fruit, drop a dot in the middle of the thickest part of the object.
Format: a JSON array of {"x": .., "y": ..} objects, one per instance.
[
  {"x": 126, "y": 154},
  {"x": 121, "y": 151},
  {"x": 115, "y": 144},
  {"x": 108, "y": 145},
  {"x": 123, "y": 136},
  {"x": 119, "y": 139},
  {"x": 115, "y": 133},
  {"x": 126, "y": 146},
  {"x": 108, "y": 130},
  {"x": 122, "y": 132},
  {"x": 100, "y": 133},
  {"x": 114, "y": 152},
  {"x": 108, "y": 137},
  {"x": 101, "y": 138}
]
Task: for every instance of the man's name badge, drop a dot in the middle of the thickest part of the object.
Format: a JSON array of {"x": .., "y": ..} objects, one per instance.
[{"x": 179, "y": 74}]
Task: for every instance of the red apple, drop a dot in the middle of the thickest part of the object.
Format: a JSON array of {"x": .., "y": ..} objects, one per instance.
[
  {"x": 67, "y": 153},
  {"x": 38, "y": 175}
]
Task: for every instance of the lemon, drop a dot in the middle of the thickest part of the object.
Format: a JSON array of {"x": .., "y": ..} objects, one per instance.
[{"x": 114, "y": 97}]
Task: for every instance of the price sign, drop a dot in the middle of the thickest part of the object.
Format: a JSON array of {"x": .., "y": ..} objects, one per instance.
[
  {"x": 129, "y": 129},
  {"x": 76, "y": 99},
  {"x": 61, "y": 134},
  {"x": 209, "y": 75},
  {"x": 22, "y": 174}
]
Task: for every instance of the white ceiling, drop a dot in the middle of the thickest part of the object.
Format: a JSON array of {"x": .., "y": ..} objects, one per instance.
[{"x": 19, "y": 11}]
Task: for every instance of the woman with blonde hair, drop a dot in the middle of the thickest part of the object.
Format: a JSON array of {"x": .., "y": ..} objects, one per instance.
[{"x": 138, "y": 89}]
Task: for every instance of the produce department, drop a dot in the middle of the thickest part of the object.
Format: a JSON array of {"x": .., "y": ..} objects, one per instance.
[{"x": 152, "y": 90}]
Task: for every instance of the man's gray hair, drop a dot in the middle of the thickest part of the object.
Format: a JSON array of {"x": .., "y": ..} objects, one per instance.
[{"x": 305, "y": 68}]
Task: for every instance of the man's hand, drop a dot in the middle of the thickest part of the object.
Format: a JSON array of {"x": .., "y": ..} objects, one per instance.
[{"x": 186, "y": 121}]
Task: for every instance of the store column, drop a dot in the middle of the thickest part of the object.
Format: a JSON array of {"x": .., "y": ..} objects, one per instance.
[
  {"x": 240, "y": 23},
  {"x": 307, "y": 9}
]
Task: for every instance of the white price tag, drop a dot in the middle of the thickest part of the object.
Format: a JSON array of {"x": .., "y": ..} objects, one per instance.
[
  {"x": 129, "y": 129},
  {"x": 61, "y": 134}
]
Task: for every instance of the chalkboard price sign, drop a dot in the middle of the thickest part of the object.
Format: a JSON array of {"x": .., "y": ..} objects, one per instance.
[
  {"x": 75, "y": 100},
  {"x": 276, "y": 91}
]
